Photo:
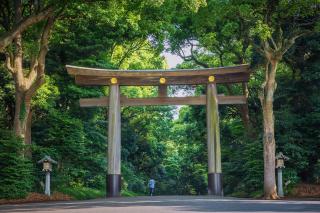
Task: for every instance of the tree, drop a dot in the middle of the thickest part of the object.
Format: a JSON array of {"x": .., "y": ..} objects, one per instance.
[
  {"x": 275, "y": 26},
  {"x": 208, "y": 39},
  {"x": 37, "y": 15},
  {"x": 271, "y": 26},
  {"x": 16, "y": 18},
  {"x": 97, "y": 36}
]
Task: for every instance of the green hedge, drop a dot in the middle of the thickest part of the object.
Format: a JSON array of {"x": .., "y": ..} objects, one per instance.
[
  {"x": 82, "y": 193},
  {"x": 16, "y": 178}
]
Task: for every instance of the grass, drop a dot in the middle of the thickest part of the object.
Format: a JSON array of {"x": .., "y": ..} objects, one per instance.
[
  {"x": 82, "y": 193},
  {"x": 85, "y": 193},
  {"x": 126, "y": 193}
]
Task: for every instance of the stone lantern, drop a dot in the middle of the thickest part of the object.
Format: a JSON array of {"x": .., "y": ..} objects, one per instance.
[
  {"x": 280, "y": 158},
  {"x": 47, "y": 162}
]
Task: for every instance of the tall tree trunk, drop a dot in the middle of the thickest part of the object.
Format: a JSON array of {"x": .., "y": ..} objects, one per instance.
[
  {"x": 266, "y": 98},
  {"x": 22, "y": 114},
  {"x": 22, "y": 119},
  {"x": 272, "y": 50}
]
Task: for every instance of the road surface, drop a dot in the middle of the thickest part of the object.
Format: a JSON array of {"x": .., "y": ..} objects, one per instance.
[{"x": 168, "y": 204}]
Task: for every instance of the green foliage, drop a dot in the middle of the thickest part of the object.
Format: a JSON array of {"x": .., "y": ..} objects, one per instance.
[
  {"x": 16, "y": 172},
  {"x": 6, "y": 99},
  {"x": 64, "y": 138},
  {"x": 126, "y": 193},
  {"x": 262, "y": 30},
  {"x": 82, "y": 193}
]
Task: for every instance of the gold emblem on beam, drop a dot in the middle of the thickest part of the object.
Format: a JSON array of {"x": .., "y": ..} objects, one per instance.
[
  {"x": 211, "y": 78},
  {"x": 114, "y": 80},
  {"x": 162, "y": 80}
]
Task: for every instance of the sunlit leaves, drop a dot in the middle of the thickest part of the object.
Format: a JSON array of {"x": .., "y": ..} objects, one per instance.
[
  {"x": 262, "y": 30},
  {"x": 46, "y": 95},
  {"x": 194, "y": 5}
]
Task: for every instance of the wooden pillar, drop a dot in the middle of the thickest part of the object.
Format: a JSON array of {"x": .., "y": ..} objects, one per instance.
[
  {"x": 162, "y": 91},
  {"x": 213, "y": 142},
  {"x": 114, "y": 143}
]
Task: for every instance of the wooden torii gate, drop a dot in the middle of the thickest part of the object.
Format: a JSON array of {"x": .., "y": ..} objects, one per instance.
[{"x": 162, "y": 78}]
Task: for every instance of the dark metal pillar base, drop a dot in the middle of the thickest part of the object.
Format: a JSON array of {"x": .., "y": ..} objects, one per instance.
[
  {"x": 113, "y": 185},
  {"x": 215, "y": 184}
]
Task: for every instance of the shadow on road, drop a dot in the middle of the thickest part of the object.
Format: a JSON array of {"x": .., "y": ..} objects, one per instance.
[{"x": 169, "y": 204}]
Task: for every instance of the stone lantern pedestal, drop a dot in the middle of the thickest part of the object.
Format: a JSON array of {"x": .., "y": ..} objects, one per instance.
[
  {"x": 280, "y": 158},
  {"x": 47, "y": 162}
]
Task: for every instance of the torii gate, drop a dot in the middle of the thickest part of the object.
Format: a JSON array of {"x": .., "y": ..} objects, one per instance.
[{"x": 162, "y": 78}]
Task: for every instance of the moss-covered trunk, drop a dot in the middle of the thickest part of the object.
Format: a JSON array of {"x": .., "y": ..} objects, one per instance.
[{"x": 22, "y": 118}]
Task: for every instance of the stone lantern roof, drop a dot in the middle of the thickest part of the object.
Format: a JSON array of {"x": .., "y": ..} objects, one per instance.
[
  {"x": 280, "y": 155},
  {"x": 47, "y": 158}
]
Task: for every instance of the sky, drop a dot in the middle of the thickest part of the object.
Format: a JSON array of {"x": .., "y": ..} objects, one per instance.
[{"x": 172, "y": 60}]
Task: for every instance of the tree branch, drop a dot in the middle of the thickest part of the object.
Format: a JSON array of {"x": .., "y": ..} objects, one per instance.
[
  {"x": 33, "y": 72},
  {"x": 192, "y": 56},
  {"x": 45, "y": 39},
  {"x": 205, "y": 65},
  {"x": 8, "y": 37},
  {"x": 35, "y": 86},
  {"x": 258, "y": 48},
  {"x": 38, "y": 66},
  {"x": 8, "y": 62},
  {"x": 273, "y": 43},
  {"x": 289, "y": 42}
]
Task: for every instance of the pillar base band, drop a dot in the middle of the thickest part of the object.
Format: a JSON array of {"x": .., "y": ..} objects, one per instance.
[
  {"x": 113, "y": 185},
  {"x": 215, "y": 184}
]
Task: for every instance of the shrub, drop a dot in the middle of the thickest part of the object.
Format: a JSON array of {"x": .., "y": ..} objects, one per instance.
[
  {"x": 16, "y": 177},
  {"x": 82, "y": 193}
]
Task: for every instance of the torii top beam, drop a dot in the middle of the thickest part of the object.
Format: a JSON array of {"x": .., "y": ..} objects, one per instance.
[{"x": 94, "y": 76}]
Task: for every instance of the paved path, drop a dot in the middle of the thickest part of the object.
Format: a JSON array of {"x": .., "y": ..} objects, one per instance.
[{"x": 166, "y": 204}]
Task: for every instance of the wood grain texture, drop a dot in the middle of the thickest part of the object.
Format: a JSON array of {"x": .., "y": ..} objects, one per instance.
[
  {"x": 197, "y": 100},
  {"x": 213, "y": 130},
  {"x": 114, "y": 131},
  {"x": 88, "y": 80},
  {"x": 75, "y": 70},
  {"x": 163, "y": 91}
]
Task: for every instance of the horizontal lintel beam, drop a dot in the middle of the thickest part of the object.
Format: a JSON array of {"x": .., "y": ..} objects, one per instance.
[
  {"x": 154, "y": 81},
  {"x": 195, "y": 100},
  {"x": 88, "y": 71}
]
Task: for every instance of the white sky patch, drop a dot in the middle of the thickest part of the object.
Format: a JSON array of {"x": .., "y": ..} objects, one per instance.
[{"x": 172, "y": 60}]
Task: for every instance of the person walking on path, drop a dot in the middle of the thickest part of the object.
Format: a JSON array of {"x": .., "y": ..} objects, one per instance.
[{"x": 151, "y": 186}]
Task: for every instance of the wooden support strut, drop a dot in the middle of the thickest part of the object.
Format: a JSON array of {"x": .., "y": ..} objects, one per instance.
[
  {"x": 162, "y": 91},
  {"x": 213, "y": 142}
]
